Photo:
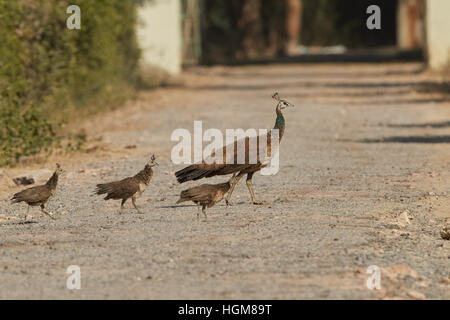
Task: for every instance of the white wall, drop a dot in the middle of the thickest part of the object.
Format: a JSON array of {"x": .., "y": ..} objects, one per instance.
[
  {"x": 159, "y": 34},
  {"x": 438, "y": 32}
]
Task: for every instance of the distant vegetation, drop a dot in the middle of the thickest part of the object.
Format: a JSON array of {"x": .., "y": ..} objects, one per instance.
[{"x": 49, "y": 74}]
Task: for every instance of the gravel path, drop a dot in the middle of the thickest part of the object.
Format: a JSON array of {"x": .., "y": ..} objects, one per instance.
[{"x": 365, "y": 147}]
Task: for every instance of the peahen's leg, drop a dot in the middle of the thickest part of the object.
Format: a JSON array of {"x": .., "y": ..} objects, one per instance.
[
  {"x": 204, "y": 211},
  {"x": 250, "y": 188},
  {"x": 234, "y": 181},
  {"x": 198, "y": 211},
  {"x": 47, "y": 213},
  {"x": 133, "y": 199}
]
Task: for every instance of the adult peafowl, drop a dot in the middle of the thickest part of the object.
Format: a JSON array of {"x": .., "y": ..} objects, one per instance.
[{"x": 207, "y": 169}]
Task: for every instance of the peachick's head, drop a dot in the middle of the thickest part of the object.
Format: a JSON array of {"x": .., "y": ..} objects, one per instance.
[
  {"x": 58, "y": 170},
  {"x": 152, "y": 161}
]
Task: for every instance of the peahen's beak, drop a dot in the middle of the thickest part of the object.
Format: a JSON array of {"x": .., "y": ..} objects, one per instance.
[{"x": 287, "y": 105}]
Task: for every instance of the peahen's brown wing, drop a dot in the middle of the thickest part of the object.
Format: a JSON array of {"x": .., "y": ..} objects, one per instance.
[
  {"x": 34, "y": 195},
  {"x": 122, "y": 189},
  {"x": 252, "y": 161}
]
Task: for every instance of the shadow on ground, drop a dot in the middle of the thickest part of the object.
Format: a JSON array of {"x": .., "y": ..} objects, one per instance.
[
  {"x": 410, "y": 139},
  {"x": 442, "y": 124}
]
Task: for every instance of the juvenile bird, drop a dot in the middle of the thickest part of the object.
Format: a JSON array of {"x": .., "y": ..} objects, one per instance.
[
  {"x": 39, "y": 195},
  {"x": 205, "y": 195},
  {"x": 131, "y": 187},
  {"x": 231, "y": 165}
]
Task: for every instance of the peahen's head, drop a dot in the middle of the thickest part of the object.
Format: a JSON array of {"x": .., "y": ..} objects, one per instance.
[{"x": 282, "y": 104}]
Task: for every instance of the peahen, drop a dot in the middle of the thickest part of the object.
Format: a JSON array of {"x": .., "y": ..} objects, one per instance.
[{"x": 206, "y": 170}]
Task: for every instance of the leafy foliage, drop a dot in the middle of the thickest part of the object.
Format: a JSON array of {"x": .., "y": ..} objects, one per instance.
[{"x": 49, "y": 73}]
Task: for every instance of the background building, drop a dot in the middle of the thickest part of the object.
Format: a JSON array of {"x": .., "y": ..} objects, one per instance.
[{"x": 176, "y": 32}]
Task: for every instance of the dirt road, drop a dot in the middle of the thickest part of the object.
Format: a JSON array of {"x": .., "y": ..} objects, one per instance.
[{"x": 364, "y": 180}]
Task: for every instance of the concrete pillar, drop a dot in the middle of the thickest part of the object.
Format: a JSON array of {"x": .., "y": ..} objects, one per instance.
[
  {"x": 438, "y": 33},
  {"x": 159, "y": 34}
]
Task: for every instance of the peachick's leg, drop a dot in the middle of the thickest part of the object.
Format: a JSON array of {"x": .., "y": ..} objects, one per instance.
[
  {"x": 24, "y": 218},
  {"x": 250, "y": 189},
  {"x": 122, "y": 205},
  {"x": 133, "y": 199},
  {"x": 47, "y": 213},
  {"x": 234, "y": 181}
]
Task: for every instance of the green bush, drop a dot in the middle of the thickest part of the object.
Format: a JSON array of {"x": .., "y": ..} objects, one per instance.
[{"x": 49, "y": 73}]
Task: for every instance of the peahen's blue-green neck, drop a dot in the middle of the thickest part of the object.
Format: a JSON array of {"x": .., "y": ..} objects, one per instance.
[{"x": 280, "y": 122}]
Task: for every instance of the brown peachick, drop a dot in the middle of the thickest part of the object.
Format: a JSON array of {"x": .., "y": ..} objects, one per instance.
[
  {"x": 131, "y": 187},
  {"x": 205, "y": 195},
  {"x": 39, "y": 195}
]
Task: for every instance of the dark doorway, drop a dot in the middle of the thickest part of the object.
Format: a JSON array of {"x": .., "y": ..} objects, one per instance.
[
  {"x": 343, "y": 22},
  {"x": 255, "y": 30}
]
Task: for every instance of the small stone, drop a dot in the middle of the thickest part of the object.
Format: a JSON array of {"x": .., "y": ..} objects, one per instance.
[
  {"x": 403, "y": 219},
  {"x": 23, "y": 181},
  {"x": 92, "y": 149},
  {"x": 37, "y": 176},
  {"x": 406, "y": 235},
  {"x": 445, "y": 233},
  {"x": 416, "y": 295}
]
